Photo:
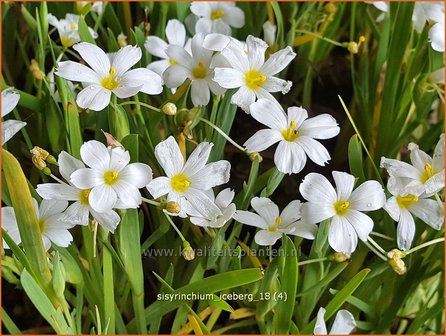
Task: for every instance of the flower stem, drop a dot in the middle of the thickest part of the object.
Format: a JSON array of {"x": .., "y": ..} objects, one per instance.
[
  {"x": 440, "y": 202},
  {"x": 375, "y": 251},
  {"x": 326, "y": 39},
  {"x": 150, "y": 107},
  {"x": 311, "y": 261},
  {"x": 375, "y": 244},
  {"x": 380, "y": 235},
  {"x": 175, "y": 227},
  {"x": 152, "y": 202},
  {"x": 419, "y": 247},
  {"x": 223, "y": 134}
]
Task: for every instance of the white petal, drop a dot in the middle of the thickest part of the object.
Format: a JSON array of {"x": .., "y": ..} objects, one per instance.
[
  {"x": 58, "y": 191},
  {"x": 200, "y": 92},
  {"x": 128, "y": 194},
  {"x": 317, "y": 212},
  {"x": 438, "y": 157},
  {"x": 418, "y": 157},
  {"x": 429, "y": 212},
  {"x": 344, "y": 184},
  {"x": 198, "y": 51},
  {"x": 150, "y": 81},
  {"x": 93, "y": 97},
  {"x": 9, "y": 223},
  {"x": 289, "y": 158},
  {"x": 204, "y": 26},
  {"x": 156, "y": 46},
  {"x": 291, "y": 212},
  {"x": 119, "y": 158},
  {"x": 278, "y": 61},
  {"x": 50, "y": 208},
  {"x": 229, "y": 78},
  {"x": 159, "y": 186},
  {"x": 323, "y": 126},
  {"x": 77, "y": 72},
  {"x": 262, "y": 139},
  {"x": 274, "y": 84},
  {"x": 203, "y": 204},
  {"x": 235, "y": 18},
  {"x": 315, "y": 150},
  {"x": 158, "y": 67},
  {"x": 94, "y": 56},
  {"x": 392, "y": 208},
  {"x": 199, "y": 221},
  {"x": 124, "y": 90},
  {"x": 269, "y": 33},
  {"x": 269, "y": 113},
  {"x": 249, "y": 218},
  {"x": 68, "y": 164},
  {"x": 341, "y": 235},
  {"x": 243, "y": 98},
  {"x": 102, "y": 198},
  {"x": 10, "y": 128},
  {"x": 212, "y": 175},
  {"x": 95, "y": 155},
  {"x": 198, "y": 158},
  {"x": 405, "y": 230},
  {"x": 298, "y": 115},
  {"x": 169, "y": 156},
  {"x": 301, "y": 229},
  {"x": 320, "y": 328},
  {"x": 180, "y": 56},
  {"x": 236, "y": 57},
  {"x": 76, "y": 214},
  {"x": 435, "y": 183},
  {"x": 10, "y": 99},
  {"x": 399, "y": 168},
  {"x": 59, "y": 237},
  {"x": 362, "y": 224},
  {"x": 256, "y": 51},
  {"x": 137, "y": 174},
  {"x": 224, "y": 198},
  {"x": 343, "y": 324},
  {"x": 368, "y": 196},
  {"x": 216, "y": 42},
  {"x": 109, "y": 220},
  {"x": 201, "y": 9},
  {"x": 266, "y": 208},
  {"x": 175, "y": 32},
  {"x": 436, "y": 37},
  {"x": 125, "y": 58},
  {"x": 316, "y": 188},
  {"x": 175, "y": 75},
  {"x": 267, "y": 238}
]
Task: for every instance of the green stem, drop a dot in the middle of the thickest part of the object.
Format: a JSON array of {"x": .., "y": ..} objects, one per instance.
[
  {"x": 375, "y": 244},
  {"x": 223, "y": 134},
  {"x": 152, "y": 202},
  {"x": 382, "y": 257},
  {"x": 175, "y": 227},
  {"x": 311, "y": 261},
  {"x": 419, "y": 247},
  {"x": 440, "y": 202},
  {"x": 150, "y": 107},
  {"x": 380, "y": 235},
  {"x": 109, "y": 296},
  {"x": 326, "y": 39}
]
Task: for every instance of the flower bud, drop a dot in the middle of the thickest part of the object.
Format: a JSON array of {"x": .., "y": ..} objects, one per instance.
[
  {"x": 51, "y": 160},
  {"x": 188, "y": 251},
  {"x": 173, "y": 207},
  {"x": 38, "y": 162},
  {"x": 396, "y": 262},
  {"x": 353, "y": 47},
  {"x": 254, "y": 156},
  {"x": 46, "y": 171},
  {"x": 111, "y": 141},
  {"x": 341, "y": 257},
  {"x": 122, "y": 40},
  {"x": 37, "y": 151},
  {"x": 330, "y": 8},
  {"x": 169, "y": 109},
  {"x": 35, "y": 70},
  {"x": 58, "y": 276}
]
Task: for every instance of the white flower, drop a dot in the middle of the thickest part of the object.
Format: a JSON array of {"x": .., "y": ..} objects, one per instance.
[
  {"x": 108, "y": 73},
  {"x": 52, "y": 226},
  {"x": 425, "y": 171},
  {"x": 269, "y": 33},
  {"x": 343, "y": 324},
  {"x": 408, "y": 201},
  {"x": 295, "y": 134},
  {"x": 343, "y": 205},
  {"x": 78, "y": 212},
  {"x": 96, "y": 6},
  {"x": 10, "y": 127},
  {"x": 188, "y": 182},
  {"x": 176, "y": 35},
  {"x": 196, "y": 67},
  {"x": 217, "y": 17},
  {"x": 273, "y": 224},
  {"x": 68, "y": 29},
  {"x": 251, "y": 74},
  {"x": 223, "y": 202},
  {"x": 436, "y": 36},
  {"x": 110, "y": 177}
]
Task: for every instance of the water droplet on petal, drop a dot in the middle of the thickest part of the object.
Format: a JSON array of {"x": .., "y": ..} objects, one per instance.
[{"x": 369, "y": 204}]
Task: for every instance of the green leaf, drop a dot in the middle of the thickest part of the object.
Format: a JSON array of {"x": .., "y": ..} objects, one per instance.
[
  {"x": 355, "y": 159},
  {"x": 9, "y": 323},
  {"x": 289, "y": 274},
  {"x": 339, "y": 299},
  {"x": 84, "y": 33},
  {"x": 273, "y": 182}
]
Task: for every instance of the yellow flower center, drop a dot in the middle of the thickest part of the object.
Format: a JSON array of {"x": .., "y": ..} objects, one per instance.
[
  {"x": 66, "y": 42},
  {"x": 180, "y": 183},
  {"x": 172, "y": 61},
  {"x": 291, "y": 134},
  {"x": 341, "y": 207},
  {"x": 427, "y": 173},
  {"x": 406, "y": 202},
  {"x": 199, "y": 71},
  {"x": 73, "y": 26},
  {"x": 218, "y": 14},
  {"x": 254, "y": 79},
  {"x": 41, "y": 225},
  {"x": 83, "y": 196},
  {"x": 111, "y": 177},
  {"x": 276, "y": 226},
  {"x": 109, "y": 82}
]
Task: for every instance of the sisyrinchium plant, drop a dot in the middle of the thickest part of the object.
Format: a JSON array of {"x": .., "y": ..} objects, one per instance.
[{"x": 223, "y": 168}]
